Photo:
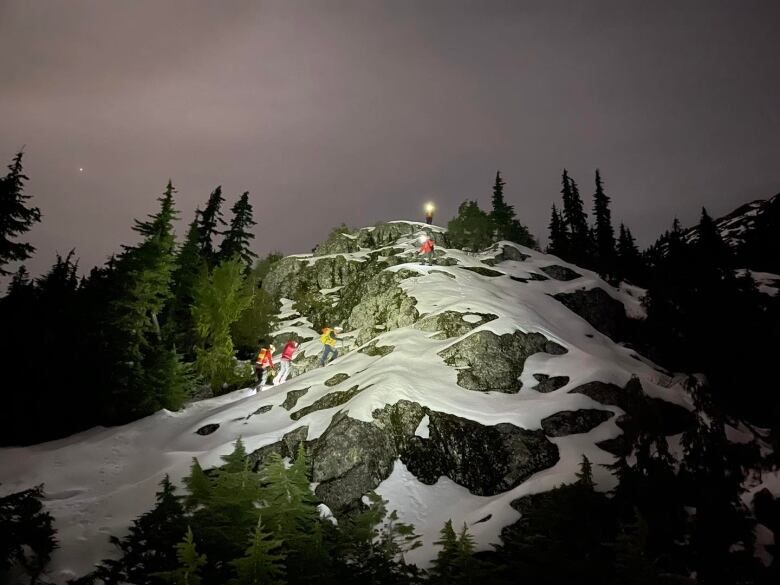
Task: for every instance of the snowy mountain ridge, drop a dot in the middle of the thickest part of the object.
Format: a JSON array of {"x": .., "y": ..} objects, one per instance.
[
  {"x": 459, "y": 389},
  {"x": 733, "y": 227}
]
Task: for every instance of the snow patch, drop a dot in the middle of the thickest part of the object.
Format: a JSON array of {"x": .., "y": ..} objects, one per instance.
[{"x": 422, "y": 429}]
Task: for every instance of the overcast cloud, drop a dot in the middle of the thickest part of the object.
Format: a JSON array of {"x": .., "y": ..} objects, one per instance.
[{"x": 331, "y": 111}]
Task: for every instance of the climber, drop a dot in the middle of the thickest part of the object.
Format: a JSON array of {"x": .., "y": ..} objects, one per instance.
[
  {"x": 329, "y": 339},
  {"x": 427, "y": 249},
  {"x": 264, "y": 365},
  {"x": 284, "y": 369},
  {"x": 429, "y": 213}
]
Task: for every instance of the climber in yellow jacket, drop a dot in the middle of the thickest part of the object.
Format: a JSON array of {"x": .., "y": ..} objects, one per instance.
[{"x": 329, "y": 340}]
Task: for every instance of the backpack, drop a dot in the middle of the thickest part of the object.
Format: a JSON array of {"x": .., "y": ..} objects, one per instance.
[{"x": 325, "y": 337}]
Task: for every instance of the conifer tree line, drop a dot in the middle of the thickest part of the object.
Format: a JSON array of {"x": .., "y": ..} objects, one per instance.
[
  {"x": 473, "y": 229},
  {"x": 137, "y": 334},
  {"x": 592, "y": 246}
]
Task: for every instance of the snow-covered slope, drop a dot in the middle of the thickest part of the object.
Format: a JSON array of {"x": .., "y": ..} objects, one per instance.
[{"x": 99, "y": 480}]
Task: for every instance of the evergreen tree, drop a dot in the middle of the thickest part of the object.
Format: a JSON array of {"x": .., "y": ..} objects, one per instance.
[
  {"x": 503, "y": 216},
  {"x": 148, "y": 549},
  {"x": 444, "y": 567},
  {"x": 502, "y": 213},
  {"x": 604, "y": 234},
  {"x": 713, "y": 254},
  {"x": 210, "y": 221},
  {"x": 290, "y": 506},
  {"x": 261, "y": 565},
  {"x": 558, "y": 245},
  {"x": 190, "y": 563},
  {"x": 472, "y": 229},
  {"x": 259, "y": 318},
  {"x": 561, "y": 537},
  {"x": 219, "y": 299},
  {"x": 722, "y": 534},
  {"x": 234, "y": 462},
  {"x": 145, "y": 275},
  {"x": 585, "y": 474},
  {"x": 576, "y": 222},
  {"x": 237, "y": 237},
  {"x": 373, "y": 543},
  {"x": 189, "y": 265},
  {"x": 629, "y": 261},
  {"x": 199, "y": 486},
  {"x": 223, "y": 510},
  {"x": 20, "y": 281},
  {"x": 27, "y": 538},
  {"x": 16, "y": 217},
  {"x": 632, "y": 565},
  {"x": 455, "y": 563}
]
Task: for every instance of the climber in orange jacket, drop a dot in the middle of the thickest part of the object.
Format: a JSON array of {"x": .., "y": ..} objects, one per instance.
[{"x": 264, "y": 363}]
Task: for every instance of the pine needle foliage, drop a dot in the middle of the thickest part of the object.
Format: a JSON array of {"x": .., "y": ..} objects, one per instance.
[
  {"x": 16, "y": 216},
  {"x": 263, "y": 562},
  {"x": 219, "y": 299}
]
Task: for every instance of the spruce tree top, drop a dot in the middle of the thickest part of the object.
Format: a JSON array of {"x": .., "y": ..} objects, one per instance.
[
  {"x": 238, "y": 236},
  {"x": 210, "y": 219},
  {"x": 15, "y": 217},
  {"x": 161, "y": 223}
]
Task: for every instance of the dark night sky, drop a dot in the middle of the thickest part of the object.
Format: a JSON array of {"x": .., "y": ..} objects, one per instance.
[{"x": 330, "y": 111}]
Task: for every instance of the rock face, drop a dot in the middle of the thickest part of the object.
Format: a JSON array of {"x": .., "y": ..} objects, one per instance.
[
  {"x": 287, "y": 447},
  {"x": 572, "y": 422},
  {"x": 550, "y": 384},
  {"x": 488, "y": 362},
  {"x": 452, "y": 324},
  {"x": 353, "y": 457},
  {"x": 207, "y": 429},
  {"x": 375, "y": 350},
  {"x": 486, "y": 459},
  {"x": 483, "y": 271},
  {"x": 380, "y": 301},
  {"x": 292, "y": 398},
  {"x": 560, "y": 272},
  {"x": 329, "y": 401},
  {"x": 599, "y": 309},
  {"x": 337, "y": 379}
]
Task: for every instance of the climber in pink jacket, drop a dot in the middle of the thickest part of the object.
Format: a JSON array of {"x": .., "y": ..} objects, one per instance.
[{"x": 287, "y": 355}]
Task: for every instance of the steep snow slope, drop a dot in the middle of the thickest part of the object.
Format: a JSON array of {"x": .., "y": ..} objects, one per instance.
[{"x": 99, "y": 480}]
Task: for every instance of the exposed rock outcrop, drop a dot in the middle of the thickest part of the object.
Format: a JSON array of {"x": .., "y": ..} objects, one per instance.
[
  {"x": 550, "y": 384},
  {"x": 572, "y": 422},
  {"x": 452, "y": 324},
  {"x": 330, "y": 400},
  {"x": 488, "y": 362},
  {"x": 560, "y": 272},
  {"x": 353, "y": 457},
  {"x": 292, "y": 398},
  {"x": 599, "y": 309}
]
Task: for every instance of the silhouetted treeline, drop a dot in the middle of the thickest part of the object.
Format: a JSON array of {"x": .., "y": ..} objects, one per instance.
[{"x": 137, "y": 334}]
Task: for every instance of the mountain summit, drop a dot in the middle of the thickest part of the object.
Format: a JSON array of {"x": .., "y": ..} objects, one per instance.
[{"x": 459, "y": 389}]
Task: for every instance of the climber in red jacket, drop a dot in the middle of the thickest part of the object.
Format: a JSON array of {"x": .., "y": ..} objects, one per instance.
[
  {"x": 427, "y": 250},
  {"x": 287, "y": 356}
]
